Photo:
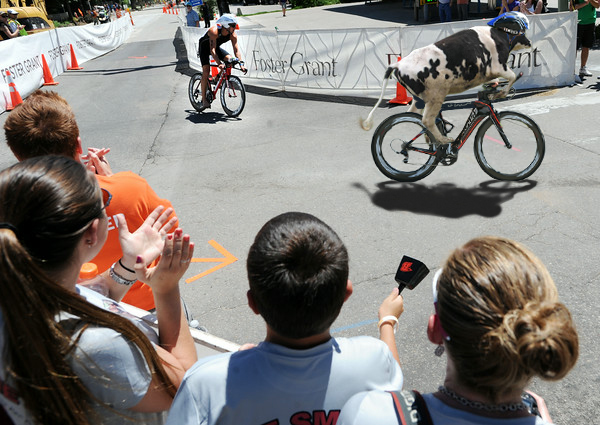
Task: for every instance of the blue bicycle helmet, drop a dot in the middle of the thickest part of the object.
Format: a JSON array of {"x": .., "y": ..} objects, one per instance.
[{"x": 511, "y": 22}]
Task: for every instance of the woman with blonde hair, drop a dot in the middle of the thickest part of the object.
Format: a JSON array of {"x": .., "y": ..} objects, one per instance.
[
  {"x": 498, "y": 316},
  {"x": 66, "y": 360}
]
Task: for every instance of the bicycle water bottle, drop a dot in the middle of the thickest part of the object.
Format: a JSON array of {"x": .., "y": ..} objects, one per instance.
[{"x": 89, "y": 277}]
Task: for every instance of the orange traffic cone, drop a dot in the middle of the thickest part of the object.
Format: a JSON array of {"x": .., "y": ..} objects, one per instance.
[
  {"x": 48, "y": 80},
  {"x": 15, "y": 97},
  {"x": 74, "y": 64},
  {"x": 131, "y": 17},
  {"x": 401, "y": 96},
  {"x": 164, "y": 10},
  {"x": 214, "y": 70}
]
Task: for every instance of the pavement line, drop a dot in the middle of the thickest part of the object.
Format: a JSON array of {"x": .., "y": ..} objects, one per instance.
[
  {"x": 354, "y": 325},
  {"x": 547, "y": 105}
]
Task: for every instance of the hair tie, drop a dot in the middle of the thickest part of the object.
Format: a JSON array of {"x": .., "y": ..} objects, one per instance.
[{"x": 8, "y": 226}]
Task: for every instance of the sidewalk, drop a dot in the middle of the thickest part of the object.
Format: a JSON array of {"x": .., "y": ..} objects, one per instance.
[
  {"x": 340, "y": 16},
  {"x": 376, "y": 14}
]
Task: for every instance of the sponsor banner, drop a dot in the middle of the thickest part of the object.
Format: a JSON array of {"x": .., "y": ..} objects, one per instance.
[
  {"x": 353, "y": 61},
  {"x": 549, "y": 63},
  {"x": 22, "y": 56}
]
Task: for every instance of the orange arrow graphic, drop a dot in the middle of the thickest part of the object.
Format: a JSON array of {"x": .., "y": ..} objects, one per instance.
[{"x": 227, "y": 259}]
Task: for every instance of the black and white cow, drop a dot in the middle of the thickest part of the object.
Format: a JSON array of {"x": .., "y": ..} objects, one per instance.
[{"x": 452, "y": 65}]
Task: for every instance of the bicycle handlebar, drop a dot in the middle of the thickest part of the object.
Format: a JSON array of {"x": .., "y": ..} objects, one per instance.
[
  {"x": 233, "y": 63},
  {"x": 500, "y": 83},
  {"x": 493, "y": 88}
]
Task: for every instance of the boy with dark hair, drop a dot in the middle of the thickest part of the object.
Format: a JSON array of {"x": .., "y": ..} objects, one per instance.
[{"x": 298, "y": 274}]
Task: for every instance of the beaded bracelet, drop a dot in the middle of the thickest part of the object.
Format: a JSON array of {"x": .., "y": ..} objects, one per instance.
[{"x": 120, "y": 279}]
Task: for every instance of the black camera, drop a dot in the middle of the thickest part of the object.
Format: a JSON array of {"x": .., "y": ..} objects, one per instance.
[{"x": 410, "y": 273}]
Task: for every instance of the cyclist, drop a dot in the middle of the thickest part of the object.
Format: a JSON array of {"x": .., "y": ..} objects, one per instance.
[{"x": 210, "y": 45}]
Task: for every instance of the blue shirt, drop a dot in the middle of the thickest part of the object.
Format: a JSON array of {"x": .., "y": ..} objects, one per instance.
[{"x": 192, "y": 18}]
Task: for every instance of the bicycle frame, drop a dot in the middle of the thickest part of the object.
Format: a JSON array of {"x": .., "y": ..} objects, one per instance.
[
  {"x": 221, "y": 77},
  {"x": 481, "y": 110}
]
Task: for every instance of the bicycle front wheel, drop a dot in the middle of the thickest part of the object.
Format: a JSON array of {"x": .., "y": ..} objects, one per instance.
[
  {"x": 399, "y": 145},
  {"x": 233, "y": 96},
  {"x": 524, "y": 156},
  {"x": 195, "y": 91}
]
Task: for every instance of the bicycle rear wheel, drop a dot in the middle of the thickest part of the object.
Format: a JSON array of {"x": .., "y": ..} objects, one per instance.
[
  {"x": 522, "y": 159},
  {"x": 194, "y": 91},
  {"x": 396, "y": 148},
  {"x": 233, "y": 96}
]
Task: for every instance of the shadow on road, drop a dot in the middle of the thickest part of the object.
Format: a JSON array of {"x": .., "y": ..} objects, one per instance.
[
  {"x": 446, "y": 199},
  {"x": 208, "y": 117}
]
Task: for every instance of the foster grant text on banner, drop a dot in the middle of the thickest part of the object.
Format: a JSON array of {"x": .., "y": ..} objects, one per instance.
[
  {"x": 22, "y": 56},
  {"x": 353, "y": 61}
]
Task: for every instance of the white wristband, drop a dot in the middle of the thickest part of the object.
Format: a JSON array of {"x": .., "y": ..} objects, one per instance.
[{"x": 386, "y": 319}]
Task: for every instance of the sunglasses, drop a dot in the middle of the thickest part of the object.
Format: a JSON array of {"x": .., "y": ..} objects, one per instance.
[{"x": 106, "y": 198}]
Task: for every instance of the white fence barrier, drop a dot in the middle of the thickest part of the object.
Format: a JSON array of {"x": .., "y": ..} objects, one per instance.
[
  {"x": 22, "y": 56},
  {"x": 345, "y": 62},
  {"x": 353, "y": 61}
]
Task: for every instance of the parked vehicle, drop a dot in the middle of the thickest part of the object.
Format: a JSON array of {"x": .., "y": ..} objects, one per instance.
[{"x": 34, "y": 19}]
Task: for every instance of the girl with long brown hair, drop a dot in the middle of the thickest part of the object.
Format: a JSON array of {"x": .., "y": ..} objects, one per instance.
[
  {"x": 499, "y": 318},
  {"x": 65, "y": 360}
]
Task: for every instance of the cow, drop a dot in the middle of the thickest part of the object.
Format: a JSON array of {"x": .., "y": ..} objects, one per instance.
[{"x": 452, "y": 65}]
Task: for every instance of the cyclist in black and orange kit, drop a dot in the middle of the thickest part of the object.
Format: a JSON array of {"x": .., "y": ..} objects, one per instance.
[{"x": 210, "y": 45}]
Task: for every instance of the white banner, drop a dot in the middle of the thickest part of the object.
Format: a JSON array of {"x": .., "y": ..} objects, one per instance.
[
  {"x": 22, "y": 56},
  {"x": 353, "y": 61},
  {"x": 549, "y": 63}
]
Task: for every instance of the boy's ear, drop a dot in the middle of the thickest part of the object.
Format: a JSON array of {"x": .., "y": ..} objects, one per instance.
[
  {"x": 434, "y": 330},
  {"x": 79, "y": 148},
  {"x": 349, "y": 290},
  {"x": 251, "y": 302}
]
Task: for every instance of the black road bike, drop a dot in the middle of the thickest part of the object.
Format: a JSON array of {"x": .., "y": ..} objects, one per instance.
[
  {"x": 233, "y": 92},
  {"x": 508, "y": 145}
]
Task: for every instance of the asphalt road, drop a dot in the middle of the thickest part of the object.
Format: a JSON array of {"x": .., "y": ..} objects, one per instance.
[{"x": 227, "y": 177}]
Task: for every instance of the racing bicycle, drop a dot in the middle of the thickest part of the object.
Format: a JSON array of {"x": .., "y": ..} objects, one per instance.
[
  {"x": 233, "y": 92},
  {"x": 508, "y": 145}
]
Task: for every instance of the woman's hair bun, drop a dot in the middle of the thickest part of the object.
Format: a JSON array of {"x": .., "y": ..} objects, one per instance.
[{"x": 545, "y": 338}]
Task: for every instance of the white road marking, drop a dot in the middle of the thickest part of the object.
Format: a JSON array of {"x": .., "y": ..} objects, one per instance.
[{"x": 546, "y": 105}]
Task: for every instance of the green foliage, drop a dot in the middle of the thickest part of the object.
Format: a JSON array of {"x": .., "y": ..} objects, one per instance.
[
  {"x": 312, "y": 3},
  {"x": 58, "y": 24},
  {"x": 212, "y": 6}
]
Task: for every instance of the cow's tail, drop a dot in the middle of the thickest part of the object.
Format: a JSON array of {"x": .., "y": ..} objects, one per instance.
[{"x": 368, "y": 123}]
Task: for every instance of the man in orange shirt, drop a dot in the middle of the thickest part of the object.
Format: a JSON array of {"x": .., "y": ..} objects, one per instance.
[{"x": 44, "y": 124}]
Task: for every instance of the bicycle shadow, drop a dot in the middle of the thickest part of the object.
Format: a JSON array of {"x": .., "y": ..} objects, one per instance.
[
  {"x": 446, "y": 199},
  {"x": 208, "y": 117}
]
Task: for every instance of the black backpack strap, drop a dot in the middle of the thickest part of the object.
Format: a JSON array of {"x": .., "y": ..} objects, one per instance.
[{"x": 410, "y": 408}]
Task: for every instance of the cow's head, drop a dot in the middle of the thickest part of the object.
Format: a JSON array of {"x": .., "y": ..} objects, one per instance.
[{"x": 520, "y": 42}]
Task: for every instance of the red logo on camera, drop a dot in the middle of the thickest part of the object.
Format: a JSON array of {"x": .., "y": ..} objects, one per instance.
[{"x": 406, "y": 267}]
